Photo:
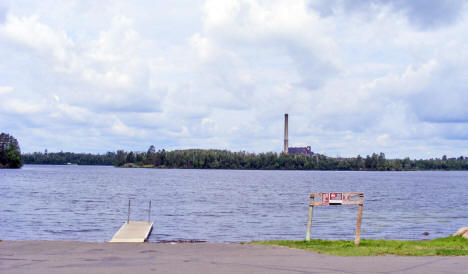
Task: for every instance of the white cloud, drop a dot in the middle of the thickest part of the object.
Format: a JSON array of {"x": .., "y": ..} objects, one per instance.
[
  {"x": 29, "y": 32},
  {"x": 5, "y": 89},
  {"x": 120, "y": 128},
  {"x": 17, "y": 106}
]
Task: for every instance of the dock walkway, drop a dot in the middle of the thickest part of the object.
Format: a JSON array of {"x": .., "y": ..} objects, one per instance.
[{"x": 133, "y": 232}]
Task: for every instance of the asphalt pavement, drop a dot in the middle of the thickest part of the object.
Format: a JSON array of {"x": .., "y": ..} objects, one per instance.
[{"x": 85, "y": 257}]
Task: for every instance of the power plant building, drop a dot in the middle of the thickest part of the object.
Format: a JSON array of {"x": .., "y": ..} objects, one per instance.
[
  {"x": 300, "y": 150},
  {"x": 293, "y": 150}
]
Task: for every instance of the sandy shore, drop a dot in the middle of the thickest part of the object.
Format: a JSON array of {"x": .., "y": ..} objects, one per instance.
[{"x": 82, "y": 257}]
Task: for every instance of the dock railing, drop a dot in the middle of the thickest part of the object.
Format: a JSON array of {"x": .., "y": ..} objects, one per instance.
[{"x": 129, "y": 210}]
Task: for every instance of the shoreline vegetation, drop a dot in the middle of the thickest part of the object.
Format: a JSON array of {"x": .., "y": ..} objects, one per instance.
[
  {"x": 223, "y": 159},
  {"x": 448, "y": 246}
]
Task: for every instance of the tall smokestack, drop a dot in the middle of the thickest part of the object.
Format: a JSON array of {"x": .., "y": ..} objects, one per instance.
[{"x": 286, "y": 133}]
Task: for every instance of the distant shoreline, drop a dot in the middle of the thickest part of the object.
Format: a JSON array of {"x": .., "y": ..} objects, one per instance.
[
  {"x": 223, "y": 159},
  {"x": 181, "y": 168}
]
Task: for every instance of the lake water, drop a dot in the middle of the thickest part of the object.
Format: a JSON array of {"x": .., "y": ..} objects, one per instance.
[{"x": 89, "y": 203}]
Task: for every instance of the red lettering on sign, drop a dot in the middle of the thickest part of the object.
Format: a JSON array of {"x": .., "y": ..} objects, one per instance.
[
  {"x": 336, "y": 198},
  {"x": 325, "y": 198}
]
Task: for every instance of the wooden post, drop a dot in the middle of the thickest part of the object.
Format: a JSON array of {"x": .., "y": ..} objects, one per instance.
[
  {"x": 128, "y": 217},
  {"x": 359, "y": 220},
  {"x": 309, "y": 219}
]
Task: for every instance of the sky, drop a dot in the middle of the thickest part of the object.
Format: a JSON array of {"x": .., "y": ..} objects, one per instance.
[{"x": 355, "y": 77}]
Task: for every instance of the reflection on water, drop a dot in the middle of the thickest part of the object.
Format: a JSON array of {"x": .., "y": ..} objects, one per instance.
[{"x": 89, "y": 203}]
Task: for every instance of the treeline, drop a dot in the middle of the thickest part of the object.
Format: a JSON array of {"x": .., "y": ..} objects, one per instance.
[
  {"x": 223, "y": 159},
  {"x": 63, "y": 158}
]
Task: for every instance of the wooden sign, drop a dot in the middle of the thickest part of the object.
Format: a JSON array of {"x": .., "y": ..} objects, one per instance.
[{"x": 337, "y": 198}]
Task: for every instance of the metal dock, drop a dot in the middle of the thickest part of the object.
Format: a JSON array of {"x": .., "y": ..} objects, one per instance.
[{"x": 134, "y": 231}]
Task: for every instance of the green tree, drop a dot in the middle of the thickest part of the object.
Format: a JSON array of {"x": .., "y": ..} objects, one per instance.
[
  {"x": 131, "y": 157},
  {"x": 380, "y": 165},
  {"x": 10, "y": 153}
]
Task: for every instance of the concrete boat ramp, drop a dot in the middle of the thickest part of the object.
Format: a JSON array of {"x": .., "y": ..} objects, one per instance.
[{"x": 133, "y": 232}]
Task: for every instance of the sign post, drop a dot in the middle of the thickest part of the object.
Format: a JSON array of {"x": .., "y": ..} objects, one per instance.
[
  {"x": 337, "y": 198},
  {"x": 309, "y": 219}
]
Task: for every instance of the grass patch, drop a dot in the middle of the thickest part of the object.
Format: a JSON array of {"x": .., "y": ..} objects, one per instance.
[{"x": 449, "y": 246}]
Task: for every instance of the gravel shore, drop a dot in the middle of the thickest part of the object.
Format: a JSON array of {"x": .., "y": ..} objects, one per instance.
[{"x": 86, "y": 257}]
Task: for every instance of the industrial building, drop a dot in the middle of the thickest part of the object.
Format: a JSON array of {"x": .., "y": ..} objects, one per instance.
[{"x": 293, "y": 150}]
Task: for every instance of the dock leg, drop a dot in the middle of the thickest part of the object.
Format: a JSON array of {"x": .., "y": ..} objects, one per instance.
[
  {"x": 128, "y": 217},
  {"x": 149, "y": 211}
]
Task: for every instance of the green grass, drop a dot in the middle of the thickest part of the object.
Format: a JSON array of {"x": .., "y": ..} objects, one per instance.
[{"x": 449, "y": 246}]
